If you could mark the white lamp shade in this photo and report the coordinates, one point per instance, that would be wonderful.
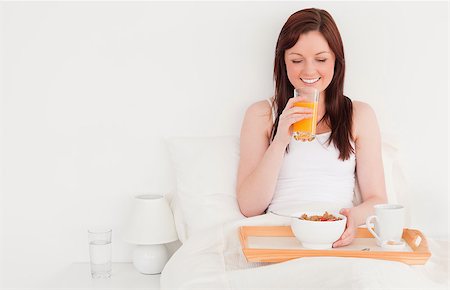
(151, 221)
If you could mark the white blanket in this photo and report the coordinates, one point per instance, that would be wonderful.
(213, 260)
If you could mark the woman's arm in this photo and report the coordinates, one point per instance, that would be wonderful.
(369, 163)
(369, 169)
(260, 160)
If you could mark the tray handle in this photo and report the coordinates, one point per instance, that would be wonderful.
(415, 239)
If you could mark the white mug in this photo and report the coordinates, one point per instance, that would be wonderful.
(389, 223)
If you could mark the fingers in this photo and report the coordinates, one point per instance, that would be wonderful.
(296, 114)
(342, 243)
(301, 110)
(349, 233)
(346, 238)
(292, 118)
(290, 115)
(293, 100)
(345, 211)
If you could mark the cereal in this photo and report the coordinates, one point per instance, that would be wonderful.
(326, 217)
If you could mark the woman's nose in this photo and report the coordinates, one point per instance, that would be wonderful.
(309, 69)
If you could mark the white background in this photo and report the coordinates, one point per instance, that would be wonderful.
(90, 90)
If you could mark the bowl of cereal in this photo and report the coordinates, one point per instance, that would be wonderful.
(318, 230)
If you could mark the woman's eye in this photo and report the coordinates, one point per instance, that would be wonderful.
(322, 60)
(296, 61)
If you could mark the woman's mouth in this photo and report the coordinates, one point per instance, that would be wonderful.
(310, 81)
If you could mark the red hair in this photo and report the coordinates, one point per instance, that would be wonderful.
(338, 108)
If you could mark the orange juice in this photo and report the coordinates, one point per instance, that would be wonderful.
(305, 129)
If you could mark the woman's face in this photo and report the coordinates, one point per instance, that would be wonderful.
(310, 62)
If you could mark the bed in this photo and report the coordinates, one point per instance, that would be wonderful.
(207, 219)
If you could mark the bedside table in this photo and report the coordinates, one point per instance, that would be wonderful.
(123, 276)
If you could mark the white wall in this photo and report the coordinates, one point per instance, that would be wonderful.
(89, 90)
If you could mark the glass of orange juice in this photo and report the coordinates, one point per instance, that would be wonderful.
(305, 130)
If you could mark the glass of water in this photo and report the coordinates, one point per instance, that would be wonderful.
(100, 252)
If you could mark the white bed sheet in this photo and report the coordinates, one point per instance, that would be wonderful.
(213, 259)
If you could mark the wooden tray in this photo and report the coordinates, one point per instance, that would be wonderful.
(278, 244)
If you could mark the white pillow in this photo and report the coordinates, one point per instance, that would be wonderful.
(206, 172)
(396, 182)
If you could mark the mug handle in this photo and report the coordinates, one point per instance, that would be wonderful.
(369, 226)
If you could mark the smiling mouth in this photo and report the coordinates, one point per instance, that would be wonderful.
(310, 81)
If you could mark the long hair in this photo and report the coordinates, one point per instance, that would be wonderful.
(338, 108)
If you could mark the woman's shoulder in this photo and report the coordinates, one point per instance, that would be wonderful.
(359, 105)
(261, 108)
(362, 110)
(364, 118)
(259, 117)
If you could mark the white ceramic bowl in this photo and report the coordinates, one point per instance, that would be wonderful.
(318, 234)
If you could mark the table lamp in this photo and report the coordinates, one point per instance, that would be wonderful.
(150, 226)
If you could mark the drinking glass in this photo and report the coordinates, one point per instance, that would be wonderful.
(100, 252)
(305, 130)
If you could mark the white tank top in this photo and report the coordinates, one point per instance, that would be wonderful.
(312, 173)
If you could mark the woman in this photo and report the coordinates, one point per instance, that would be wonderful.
(275, 170)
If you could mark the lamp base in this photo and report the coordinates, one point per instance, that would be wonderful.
(150, 259)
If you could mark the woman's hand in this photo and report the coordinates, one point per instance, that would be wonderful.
(349, 234)
(289, 116)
